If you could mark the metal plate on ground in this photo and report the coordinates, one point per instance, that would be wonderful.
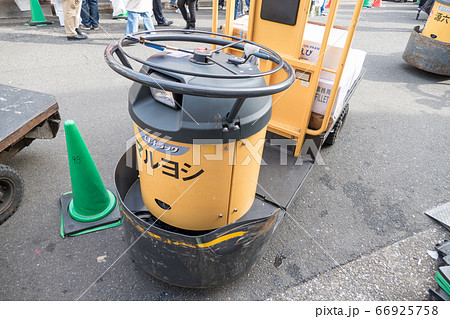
(441, 214)
(281, 174)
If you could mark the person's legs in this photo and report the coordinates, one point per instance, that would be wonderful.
(148, 23)
(322, 9)
(191, 6)
(70, 9)
(78, 14)
(132, 23)
(184, 13)
(236, 8)
(157, 12)
(93, 11)
(427, 6)
(85, 18)
(421, 3)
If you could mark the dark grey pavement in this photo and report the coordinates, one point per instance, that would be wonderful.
(389, 165)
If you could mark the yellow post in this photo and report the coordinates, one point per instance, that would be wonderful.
(229, 17)
(214, 19)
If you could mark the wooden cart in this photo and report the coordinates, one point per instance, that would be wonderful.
(24, 116)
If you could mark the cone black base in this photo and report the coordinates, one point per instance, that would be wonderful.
(37, 23)
(71, 227)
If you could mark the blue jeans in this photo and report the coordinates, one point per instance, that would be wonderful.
(237, 5)
(322, 8)
(173, 2)
(89, 13)
(133, 21)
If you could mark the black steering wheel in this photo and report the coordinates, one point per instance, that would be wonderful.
(200, 56)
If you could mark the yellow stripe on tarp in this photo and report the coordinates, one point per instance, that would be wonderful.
(204, 245)
(221, 239)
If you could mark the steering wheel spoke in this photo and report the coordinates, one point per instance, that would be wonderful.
(222, 65)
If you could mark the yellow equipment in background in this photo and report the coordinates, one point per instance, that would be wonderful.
(437, 26)
(429, 49)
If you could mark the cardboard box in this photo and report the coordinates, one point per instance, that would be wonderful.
(352, 69)
(315, 122)
(312, 39)
(355, 61)
(322, 98)
(240, 27)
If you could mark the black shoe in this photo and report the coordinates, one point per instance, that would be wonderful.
(77, 37)
(188, 25)
(80, 32)
(165, 23)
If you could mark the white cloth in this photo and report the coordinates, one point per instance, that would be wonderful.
(140, 5)
(251, 49)
(118, 7)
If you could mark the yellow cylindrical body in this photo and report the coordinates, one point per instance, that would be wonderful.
(198, 186)
(438, 23)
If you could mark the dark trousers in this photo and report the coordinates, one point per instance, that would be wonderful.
(428, 6)
(191, 5)
(157, 11)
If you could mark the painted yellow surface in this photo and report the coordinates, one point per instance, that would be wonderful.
(189, 186)
(438, 23)
(178, 243)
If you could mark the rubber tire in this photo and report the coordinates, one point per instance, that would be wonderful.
(332, 137)
(11, 184)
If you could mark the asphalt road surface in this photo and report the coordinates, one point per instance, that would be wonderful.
(356, 221)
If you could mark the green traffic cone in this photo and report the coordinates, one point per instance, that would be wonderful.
(91, 200)
(37, 16)
(90, 203)
(367, 4)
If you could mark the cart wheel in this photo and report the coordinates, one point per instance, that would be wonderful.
(11, 191)
(332, 137)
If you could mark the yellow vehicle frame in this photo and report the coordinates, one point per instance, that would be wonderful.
(292, 108)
